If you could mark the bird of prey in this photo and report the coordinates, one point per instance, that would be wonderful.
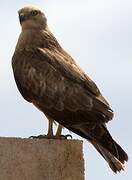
(48, 77)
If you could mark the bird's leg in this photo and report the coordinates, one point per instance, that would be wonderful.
(50, 134)
(59, 131)
(50, 129)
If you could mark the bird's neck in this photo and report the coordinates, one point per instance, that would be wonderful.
(42, 38)
(29, 37)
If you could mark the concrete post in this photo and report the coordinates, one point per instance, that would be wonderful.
(35, 159)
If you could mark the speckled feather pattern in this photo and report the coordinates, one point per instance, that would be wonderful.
(48, 77)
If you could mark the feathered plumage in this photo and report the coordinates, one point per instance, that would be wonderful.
(49, 78)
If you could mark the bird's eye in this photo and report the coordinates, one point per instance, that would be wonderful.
(34, 13)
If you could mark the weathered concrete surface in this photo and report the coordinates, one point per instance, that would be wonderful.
(31, 159)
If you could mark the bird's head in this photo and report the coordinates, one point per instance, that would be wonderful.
(32, 17)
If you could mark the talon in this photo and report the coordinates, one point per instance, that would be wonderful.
(38, 137)
(51, 137)
(68, 136)
(32, 137)
(65, 136)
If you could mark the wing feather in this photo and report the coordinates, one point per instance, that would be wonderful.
(56, 83)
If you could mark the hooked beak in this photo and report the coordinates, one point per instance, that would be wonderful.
(22, 18)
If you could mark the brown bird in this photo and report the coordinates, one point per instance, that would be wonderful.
(48, 77)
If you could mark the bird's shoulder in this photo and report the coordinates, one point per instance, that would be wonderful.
(68, 67)
(62, 62)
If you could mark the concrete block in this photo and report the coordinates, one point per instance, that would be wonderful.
(35, 159)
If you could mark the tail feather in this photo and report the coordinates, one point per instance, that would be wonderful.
(105, 145)
(111, 146)
(109, 149)
(113, 162)
(121, 154)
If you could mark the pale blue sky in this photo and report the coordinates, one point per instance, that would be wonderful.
(98, 34)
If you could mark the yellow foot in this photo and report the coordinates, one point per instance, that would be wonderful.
(68, 136)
